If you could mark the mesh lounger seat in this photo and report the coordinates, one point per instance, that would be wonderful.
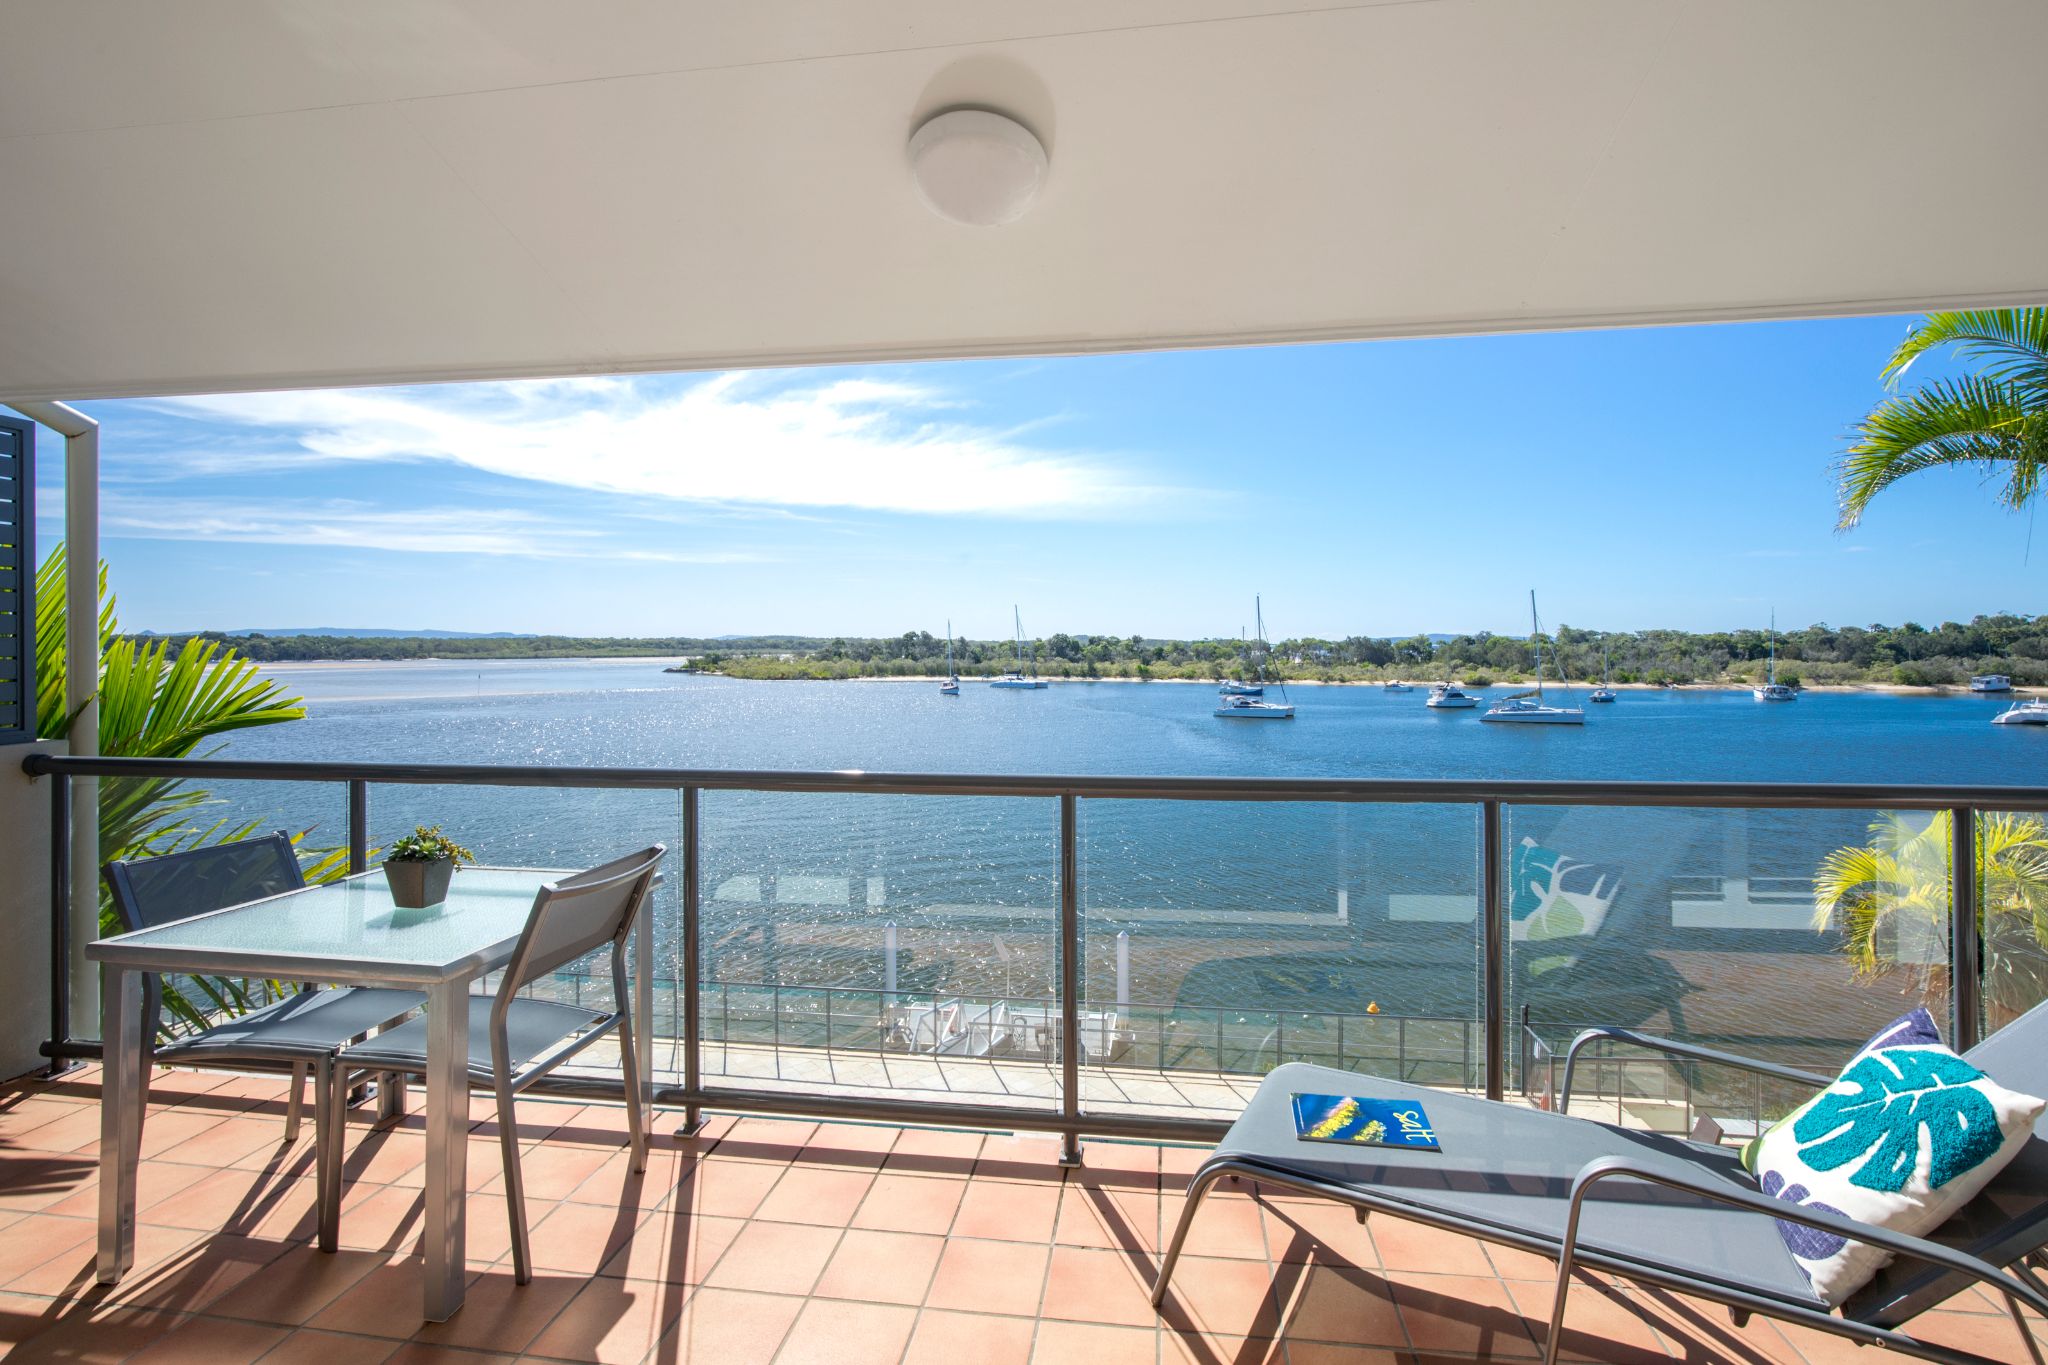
(1650, 1208)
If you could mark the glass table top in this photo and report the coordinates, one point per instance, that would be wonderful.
(344, 929)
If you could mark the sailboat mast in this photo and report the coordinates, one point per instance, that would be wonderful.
(949, 648)
(1536, 639)
(1773, 677)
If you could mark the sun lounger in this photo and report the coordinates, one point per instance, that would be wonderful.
(1646, 1207)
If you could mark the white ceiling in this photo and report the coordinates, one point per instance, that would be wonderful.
(217, 195)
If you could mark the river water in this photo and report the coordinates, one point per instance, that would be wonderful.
(1695, 922)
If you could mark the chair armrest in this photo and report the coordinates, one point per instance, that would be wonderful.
(1899, 1243)
(1671, 1047)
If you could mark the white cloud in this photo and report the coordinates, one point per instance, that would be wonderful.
(342, 524)
(734, 438)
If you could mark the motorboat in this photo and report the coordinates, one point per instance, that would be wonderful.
(1448, 696)
(1991, 683)
(1016, 678)
(1397, 686)
(1252, 708)
(1771, 689)
(1529, 708)
(2030, 712)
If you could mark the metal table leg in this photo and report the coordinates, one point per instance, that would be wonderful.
(121, 1100)
(447, 1118)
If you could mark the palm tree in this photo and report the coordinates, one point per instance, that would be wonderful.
(1995, 420)
(160, 703)
(1895, 891)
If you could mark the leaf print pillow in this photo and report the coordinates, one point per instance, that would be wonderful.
(1908, 1133)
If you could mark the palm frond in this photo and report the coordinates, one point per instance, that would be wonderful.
(1965, 421)
(2010, 344)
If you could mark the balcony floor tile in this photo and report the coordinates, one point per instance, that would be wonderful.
(766, 1241)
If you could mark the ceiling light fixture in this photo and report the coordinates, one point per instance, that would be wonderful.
(976, 168)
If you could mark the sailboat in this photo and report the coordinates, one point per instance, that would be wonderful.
(951, 686)
(1771, 689)
(1603, 692)
(1529, 708)
(1011, 676)
(1237, 705)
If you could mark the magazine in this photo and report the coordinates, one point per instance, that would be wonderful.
(1363, 1122)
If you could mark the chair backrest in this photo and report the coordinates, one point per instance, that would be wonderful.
(580, 914)
(2009, 1219)
(148, 892)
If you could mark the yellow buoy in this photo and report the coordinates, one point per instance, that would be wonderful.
(1372, 1007)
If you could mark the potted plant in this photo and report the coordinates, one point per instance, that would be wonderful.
(420, 865)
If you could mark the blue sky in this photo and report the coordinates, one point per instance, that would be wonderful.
(1654, 477)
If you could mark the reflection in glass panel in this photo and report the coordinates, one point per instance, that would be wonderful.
(1787, 935)
(1223, 938)
(2012, 896)
(881, 943)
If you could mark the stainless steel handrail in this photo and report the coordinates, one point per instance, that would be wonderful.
(1070, 1118)
(1399, 791)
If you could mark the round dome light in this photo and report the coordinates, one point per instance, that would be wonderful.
(976, 168)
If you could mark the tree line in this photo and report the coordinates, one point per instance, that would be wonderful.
(1910, 654)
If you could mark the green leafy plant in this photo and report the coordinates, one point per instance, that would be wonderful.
(158, 700)
(427, 844)
(1896, 891)
(1995, 420)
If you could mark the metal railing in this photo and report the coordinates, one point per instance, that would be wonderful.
(1071, 1118)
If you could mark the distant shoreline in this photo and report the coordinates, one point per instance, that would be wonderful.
(967, 680)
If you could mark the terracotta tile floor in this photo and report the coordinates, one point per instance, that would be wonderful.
(767, 1242)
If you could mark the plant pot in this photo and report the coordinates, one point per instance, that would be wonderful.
(416, 884)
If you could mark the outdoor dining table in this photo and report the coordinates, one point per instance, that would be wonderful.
(344, 932)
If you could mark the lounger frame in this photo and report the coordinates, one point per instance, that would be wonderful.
(2020, 1287)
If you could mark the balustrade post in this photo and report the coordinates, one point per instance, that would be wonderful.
(1493, 935)
(1070, 986)
(60, 923)
(693, 1004)
(358, 827)
(1965, 945)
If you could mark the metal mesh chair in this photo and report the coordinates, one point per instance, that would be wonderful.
(303, 1031)
(515, 1040)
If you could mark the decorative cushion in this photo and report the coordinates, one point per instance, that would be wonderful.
(1907, 1134)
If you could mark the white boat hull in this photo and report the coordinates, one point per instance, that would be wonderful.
(1536, 715)
(1262, 711)
(1451, 703)
(2026, 713)
(1774, 692)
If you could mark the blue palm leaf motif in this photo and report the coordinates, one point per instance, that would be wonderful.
(1897, 1092)
(1807, 1243)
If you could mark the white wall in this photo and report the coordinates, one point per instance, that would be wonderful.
(24, 909)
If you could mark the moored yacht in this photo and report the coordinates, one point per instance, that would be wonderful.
(1603, 692)
(951, 686)
(1771, 689)
(1251, 708)
(1246, 701)
(1016, 677)
(1529, 708)
(1448, 696)
(1397, 686)
(2031, 712)
(1991, 682)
